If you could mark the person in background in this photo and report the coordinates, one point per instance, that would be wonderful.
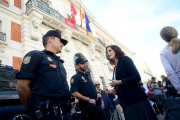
(160, 84)
(126, 82)
(111, 97)
(118, 106)
(168, 87)
(82, 88)
(158, 94)
(170, 55)
(105, 103)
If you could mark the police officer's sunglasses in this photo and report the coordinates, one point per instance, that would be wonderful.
(97, 84)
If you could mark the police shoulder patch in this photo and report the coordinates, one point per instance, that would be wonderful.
(27, 59)
(72, 80)
(83, 78)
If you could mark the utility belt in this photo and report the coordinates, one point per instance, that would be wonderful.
(40, 108)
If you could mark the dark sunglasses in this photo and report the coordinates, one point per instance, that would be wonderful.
(97, 84)
(106, 89)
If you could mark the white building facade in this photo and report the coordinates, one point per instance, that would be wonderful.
(24, 22)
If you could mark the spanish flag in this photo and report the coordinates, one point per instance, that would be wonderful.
(6, 1)
(82, 15)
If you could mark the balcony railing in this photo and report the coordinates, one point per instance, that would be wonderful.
(2, 36)
(44, 8)
(53, 12)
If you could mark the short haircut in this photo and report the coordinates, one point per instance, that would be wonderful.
(45, 40)
(153, 78)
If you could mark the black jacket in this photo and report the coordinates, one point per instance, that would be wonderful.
(130, 91)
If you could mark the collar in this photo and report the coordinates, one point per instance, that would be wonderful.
(49, 52)
(81, 73)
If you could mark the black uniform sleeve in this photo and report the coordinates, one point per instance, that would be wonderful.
(133, 72)
(74, 84)
(29, 66)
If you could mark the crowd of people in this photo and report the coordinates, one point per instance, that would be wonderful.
(42, 85)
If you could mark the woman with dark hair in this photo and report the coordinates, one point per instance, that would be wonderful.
(126, 82)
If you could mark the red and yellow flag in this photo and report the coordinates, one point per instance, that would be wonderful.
(82, 15)
(6, 1)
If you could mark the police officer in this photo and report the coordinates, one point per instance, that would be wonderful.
(42, 81)
(83, 88)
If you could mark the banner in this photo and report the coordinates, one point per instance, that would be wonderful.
(87, 23)
(82, 30)
(73, 13)
(69, 23)
(6, 1)
(91, 36)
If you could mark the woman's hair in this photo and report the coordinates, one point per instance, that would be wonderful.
(169, 34)
(119, 53)
(164, 78)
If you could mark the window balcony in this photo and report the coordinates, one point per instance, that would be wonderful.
(50, 11)
(2, 37)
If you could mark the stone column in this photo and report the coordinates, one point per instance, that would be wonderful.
(92, 51)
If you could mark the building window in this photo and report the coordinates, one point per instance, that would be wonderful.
(17, 63)
(15, 32)
(68, 17)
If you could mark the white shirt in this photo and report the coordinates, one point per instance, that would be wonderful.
(171, 63)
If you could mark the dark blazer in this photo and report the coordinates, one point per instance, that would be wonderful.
(130, 91)
(108, 104)
(111, 97)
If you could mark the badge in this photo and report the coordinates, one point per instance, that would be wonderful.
(83, 78)
(27, 59)
(72, 80)
(53, 65)
(49, 59)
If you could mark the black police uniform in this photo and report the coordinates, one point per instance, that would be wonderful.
(48, 79)
(83, 84)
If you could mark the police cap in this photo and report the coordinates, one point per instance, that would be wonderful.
(80, 60)
(55, 33)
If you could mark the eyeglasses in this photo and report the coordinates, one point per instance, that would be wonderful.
(97, 84)
(106, 89)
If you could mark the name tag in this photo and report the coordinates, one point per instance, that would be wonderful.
(53, 65)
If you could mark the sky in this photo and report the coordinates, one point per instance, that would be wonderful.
(137, 24)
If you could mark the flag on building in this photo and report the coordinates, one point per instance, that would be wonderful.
(87, 23)
(6, 1)
(82, 15)
(73, 13)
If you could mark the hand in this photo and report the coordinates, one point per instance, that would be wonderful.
(113, 114)
(92, 101)
(99, 95)
(115, 83)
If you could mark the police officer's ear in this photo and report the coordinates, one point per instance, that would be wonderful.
(50, 40)
(77, 66)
